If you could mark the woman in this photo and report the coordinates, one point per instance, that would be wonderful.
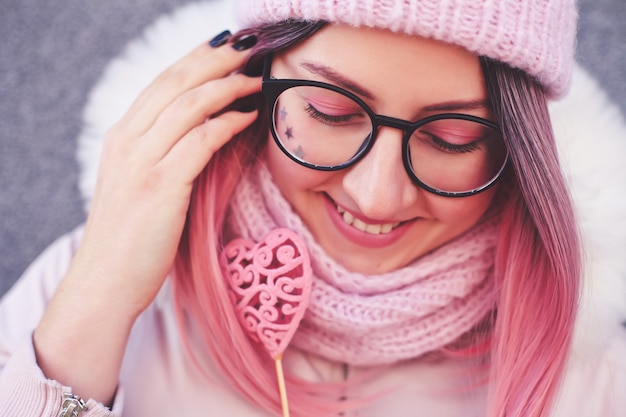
(408, 146)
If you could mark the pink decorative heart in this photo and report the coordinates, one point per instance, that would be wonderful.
(270, 285)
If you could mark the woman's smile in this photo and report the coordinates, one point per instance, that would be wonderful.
(370, 228)
(363, 231)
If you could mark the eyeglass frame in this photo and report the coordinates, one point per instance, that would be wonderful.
(272, 88)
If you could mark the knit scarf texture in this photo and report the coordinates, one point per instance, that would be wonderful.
(361, 319)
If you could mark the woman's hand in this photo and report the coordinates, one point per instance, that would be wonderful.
(150, 160)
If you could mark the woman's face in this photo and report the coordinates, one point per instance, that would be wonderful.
(370, 217)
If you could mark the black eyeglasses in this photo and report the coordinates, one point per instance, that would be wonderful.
(327, 128)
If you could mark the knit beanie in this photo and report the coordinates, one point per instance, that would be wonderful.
(536, 36)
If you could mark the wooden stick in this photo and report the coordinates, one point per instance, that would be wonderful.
(281, 384)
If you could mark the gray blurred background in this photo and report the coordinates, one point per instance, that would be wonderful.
(52, 53)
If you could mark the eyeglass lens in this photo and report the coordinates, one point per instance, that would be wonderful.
(322, 127)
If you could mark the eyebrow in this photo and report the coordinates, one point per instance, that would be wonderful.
(457, 105)
(337, 78)
(342, 81)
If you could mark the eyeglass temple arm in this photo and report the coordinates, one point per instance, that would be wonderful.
(267, 66)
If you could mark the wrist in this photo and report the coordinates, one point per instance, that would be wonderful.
(81, 339)
(109, 287)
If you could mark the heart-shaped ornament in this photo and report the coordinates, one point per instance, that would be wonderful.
(270, 286)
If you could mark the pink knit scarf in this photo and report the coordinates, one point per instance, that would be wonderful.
(377, 319)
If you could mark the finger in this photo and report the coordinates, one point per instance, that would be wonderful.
(192, 109)
(127, 123)
(194, 151)
(201, 50)
(202, 65)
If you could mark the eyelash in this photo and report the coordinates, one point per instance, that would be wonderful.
(448, 147)
(323, 117)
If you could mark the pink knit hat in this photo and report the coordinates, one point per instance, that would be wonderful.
(537, 36)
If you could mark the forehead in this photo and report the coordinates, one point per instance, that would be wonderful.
(397, 68)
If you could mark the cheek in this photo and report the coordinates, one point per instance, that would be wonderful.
(460, 213)
(291, 177)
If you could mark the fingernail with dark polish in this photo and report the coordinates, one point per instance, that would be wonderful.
(220, 39)
(245, 43)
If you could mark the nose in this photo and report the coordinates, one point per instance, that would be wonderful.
(378, 183)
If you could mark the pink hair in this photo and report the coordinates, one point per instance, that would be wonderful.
(537, 263)
(201, 290)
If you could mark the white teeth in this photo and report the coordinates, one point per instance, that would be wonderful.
(358, 224)
(386, 228)
(348, 217)
(374, 229)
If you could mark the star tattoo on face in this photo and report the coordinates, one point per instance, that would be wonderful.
(298, 152)
(289, 132)
(283, 114)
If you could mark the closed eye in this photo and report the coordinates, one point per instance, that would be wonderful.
(330, 119)
(453, 148)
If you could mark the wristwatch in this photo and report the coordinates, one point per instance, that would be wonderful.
(72, 406)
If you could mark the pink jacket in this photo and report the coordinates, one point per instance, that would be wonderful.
(159, 379)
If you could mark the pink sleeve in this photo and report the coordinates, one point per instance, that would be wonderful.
(26, 392)
(24, 389)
